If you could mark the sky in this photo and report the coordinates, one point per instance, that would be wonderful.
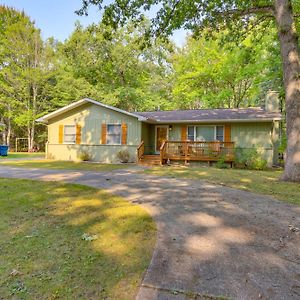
(57, 17)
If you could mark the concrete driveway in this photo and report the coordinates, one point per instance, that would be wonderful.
(212, 240)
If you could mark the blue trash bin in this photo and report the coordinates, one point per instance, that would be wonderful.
(3, 150)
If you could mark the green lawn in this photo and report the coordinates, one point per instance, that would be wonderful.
(65, 165)
(263, 182)
(43, 255)
(21, 155)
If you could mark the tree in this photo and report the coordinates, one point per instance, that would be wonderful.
(236, 15)
(207, 74)
(8, 16)
(116, 66)
(25, 71)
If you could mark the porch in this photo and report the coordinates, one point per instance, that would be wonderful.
(210, 151)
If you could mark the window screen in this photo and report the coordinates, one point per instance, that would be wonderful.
(205, 133)
(69, 134)
(191, 133)
(113, 134)
(220, 133)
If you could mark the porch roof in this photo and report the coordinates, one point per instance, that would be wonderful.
(211, 115)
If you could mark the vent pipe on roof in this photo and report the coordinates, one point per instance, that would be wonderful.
(272, 103)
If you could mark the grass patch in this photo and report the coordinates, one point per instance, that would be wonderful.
(41, 229)
(262, 182)
(20, 155)
(65, 165)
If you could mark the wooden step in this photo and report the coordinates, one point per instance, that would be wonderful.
(150, 160)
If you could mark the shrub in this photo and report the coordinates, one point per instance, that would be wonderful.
(123, 156)
(221, 164)
(249, 159)
(259, 164)
(85, 156)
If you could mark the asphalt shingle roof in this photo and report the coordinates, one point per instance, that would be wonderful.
(199, 115)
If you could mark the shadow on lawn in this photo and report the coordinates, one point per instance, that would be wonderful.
(43, 240)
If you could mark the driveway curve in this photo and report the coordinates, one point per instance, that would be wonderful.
(213, 241)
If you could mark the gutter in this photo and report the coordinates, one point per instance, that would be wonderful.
(152, 121)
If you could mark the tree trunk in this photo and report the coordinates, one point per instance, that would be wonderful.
(8, 134)
(3, 133)
(31, 126)
(291, 70)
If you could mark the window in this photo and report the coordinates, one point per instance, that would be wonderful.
(206, 133)
(220, 133)
(113, 134)
(191, 133)
(69, 134)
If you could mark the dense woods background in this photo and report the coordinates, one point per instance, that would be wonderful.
(119, 67)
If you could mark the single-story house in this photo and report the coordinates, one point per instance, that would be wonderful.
(102, 131)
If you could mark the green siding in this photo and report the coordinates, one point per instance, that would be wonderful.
(91, 117)
(252, 135)
(262, 136)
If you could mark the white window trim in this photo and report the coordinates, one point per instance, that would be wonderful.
(70, 125)
(115, 124)
(215, 131)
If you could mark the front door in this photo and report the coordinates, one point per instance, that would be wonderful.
(161, 136)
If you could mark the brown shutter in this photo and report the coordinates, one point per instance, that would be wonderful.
(227, 133)
(61, 134)
(183, 132)
(124, 134)
(103, 133)
(78, 134)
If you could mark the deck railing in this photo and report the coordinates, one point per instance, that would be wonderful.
(198, 150)
(140, 150)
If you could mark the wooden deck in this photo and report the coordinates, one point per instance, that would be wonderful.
(193, 151)
(197, 151)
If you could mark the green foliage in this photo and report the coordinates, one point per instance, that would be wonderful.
(117, 67)
(283, 144)
(249, 159)
(221, 164)
(85, 156)
(123, 156)
(207, 74)
(237, 15)
(25, 72)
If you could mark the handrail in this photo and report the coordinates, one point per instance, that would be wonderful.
(196, 150)
(140, 150)
(199, 142)
(162, 151)
(162, 145)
